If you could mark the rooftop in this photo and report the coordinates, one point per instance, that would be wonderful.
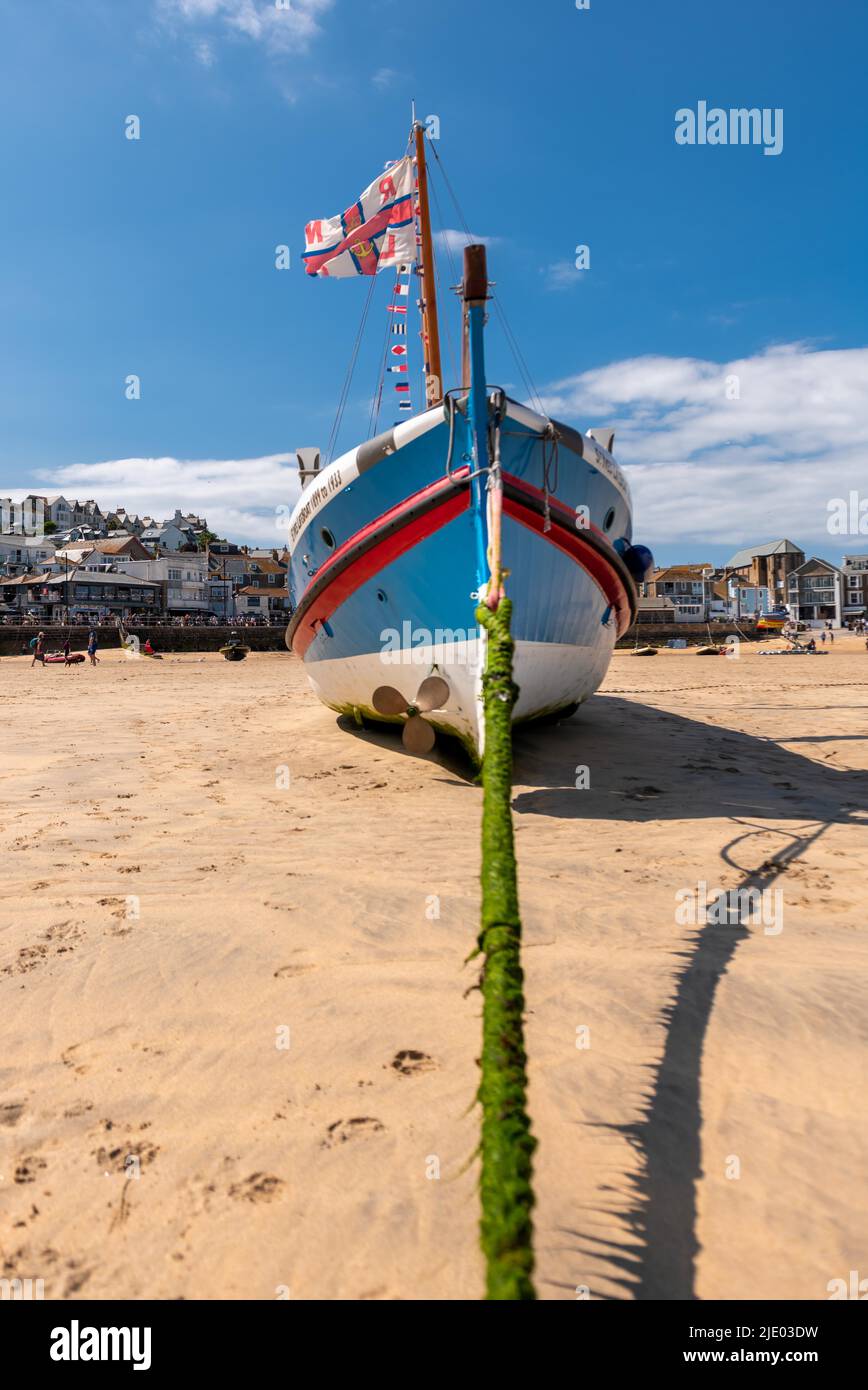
(742, 558)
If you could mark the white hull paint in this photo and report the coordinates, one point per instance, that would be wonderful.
(550, 676)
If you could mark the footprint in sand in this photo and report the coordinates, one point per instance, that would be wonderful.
(357, 1128)
(410, 1063)
(288, 971)
(117, 1157)
(28, 1168)
(259, 1187)
(11, 1112)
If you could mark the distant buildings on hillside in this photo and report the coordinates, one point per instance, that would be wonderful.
(776, 576)
(62, 558)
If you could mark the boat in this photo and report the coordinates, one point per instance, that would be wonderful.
(234, 649)
(58, 659)
(391, 543)
(774, 621)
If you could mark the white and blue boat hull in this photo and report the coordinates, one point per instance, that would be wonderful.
(388, 552)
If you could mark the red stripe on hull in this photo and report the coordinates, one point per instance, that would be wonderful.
(375, 559)
(567, 539)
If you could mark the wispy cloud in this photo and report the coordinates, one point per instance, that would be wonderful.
(450, 239)
(383, 78)
(281, 28)
(562, 275)
(244, 499)
(739, 451)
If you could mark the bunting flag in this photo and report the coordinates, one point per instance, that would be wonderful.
(399, 329)
(376, 233)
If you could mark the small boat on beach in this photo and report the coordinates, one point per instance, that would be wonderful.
(234, 650)
(392, 543)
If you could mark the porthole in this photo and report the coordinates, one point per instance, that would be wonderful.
(381, 596)
(328, 537)
(608, 519)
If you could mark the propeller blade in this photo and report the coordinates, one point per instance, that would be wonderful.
(432, 694)
(418, 736)
(387, 700)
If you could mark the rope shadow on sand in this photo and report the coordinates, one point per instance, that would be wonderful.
(720, 773)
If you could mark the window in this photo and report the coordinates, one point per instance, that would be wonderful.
(175, 575)
(252, 602)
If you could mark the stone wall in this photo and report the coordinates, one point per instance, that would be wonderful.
(14, 640)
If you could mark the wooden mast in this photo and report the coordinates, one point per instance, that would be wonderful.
(430, 325)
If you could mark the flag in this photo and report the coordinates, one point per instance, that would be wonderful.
(399, 350)
(376, 233)
(397, 308)
(399, 328)
(402, 368)
(402, 386)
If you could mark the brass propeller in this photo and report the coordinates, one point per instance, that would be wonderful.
(417, 734)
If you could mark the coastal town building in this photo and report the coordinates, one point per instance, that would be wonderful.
(688, 587)
(182, 578)
(815, 593)
(767, 566)
(169, 537)
(23, 554)
(80, 596)
(855, 573)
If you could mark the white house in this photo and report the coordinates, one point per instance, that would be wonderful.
(855, 572)
(815, 592)
(184, 577)
(25, 554)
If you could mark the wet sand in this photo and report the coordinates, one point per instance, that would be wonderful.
(239, 1031)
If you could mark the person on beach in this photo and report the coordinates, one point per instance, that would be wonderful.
(91, 647)
(39, 651)
(66, 660)
(823, 637)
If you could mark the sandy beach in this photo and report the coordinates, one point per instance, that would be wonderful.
(239, 1028)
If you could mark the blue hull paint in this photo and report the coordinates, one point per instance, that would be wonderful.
(562, 622)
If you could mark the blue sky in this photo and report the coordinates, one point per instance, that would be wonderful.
(156, 256)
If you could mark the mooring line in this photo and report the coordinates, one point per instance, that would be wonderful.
(506, 1226)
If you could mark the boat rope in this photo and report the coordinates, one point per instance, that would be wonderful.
(550, 470)
(377, 397)
(348, 379)
(453, 359)
(507, 1145)
(524, 370)
(512, 341)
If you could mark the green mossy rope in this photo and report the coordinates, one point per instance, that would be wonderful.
(507, 1143)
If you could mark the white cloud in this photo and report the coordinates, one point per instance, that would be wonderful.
(450, 239)
(707, 467)
(383, 78)
(280, 28)
(562, 275)
(244, 499)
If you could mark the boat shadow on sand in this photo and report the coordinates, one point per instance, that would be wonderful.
(651, 765)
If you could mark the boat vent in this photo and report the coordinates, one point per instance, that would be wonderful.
(603, 436)
(308, 465)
